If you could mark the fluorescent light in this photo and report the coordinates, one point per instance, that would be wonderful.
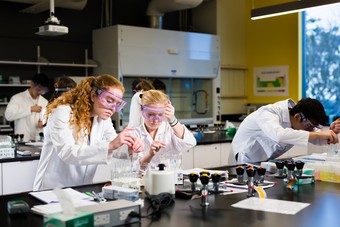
(287, 8)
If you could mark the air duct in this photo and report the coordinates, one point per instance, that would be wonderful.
(157, 9)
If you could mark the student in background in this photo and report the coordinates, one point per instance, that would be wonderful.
(135, 115)
(61, 85)
(79, 134)
(24, 108)
(159, 85)
(162, 133)
(273, 129)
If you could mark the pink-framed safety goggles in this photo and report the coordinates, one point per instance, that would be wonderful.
(308, 125)
(153, 114)
(110, 100)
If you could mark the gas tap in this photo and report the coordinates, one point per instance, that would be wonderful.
(299, 166)
(261, 172)
(240, 172)
(193, 177)
(290, 175)
(215, 177)
(204, 191)
(279, 165)
(251, 173)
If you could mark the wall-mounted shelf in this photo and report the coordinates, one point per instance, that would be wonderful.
(90, 64)
(41, 61)
(14, 85)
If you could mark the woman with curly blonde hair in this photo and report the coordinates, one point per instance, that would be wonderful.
(162, 133)
(79, 133)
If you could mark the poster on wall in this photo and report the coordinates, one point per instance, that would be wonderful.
(271, 81)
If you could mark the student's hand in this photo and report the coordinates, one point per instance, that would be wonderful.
(169, 112)
(335, 126)
(334, 138)
(155, 147)
(40, 124)
(36, 109)
(124, 137)
(330, 136)
(137, 146)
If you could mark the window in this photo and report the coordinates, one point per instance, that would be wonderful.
(321, 57)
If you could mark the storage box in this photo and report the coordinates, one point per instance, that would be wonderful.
(115, 192)
(79, 219)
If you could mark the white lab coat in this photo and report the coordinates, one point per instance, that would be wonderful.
(19, 111)
(267, 133)
(135, 116)
(166, 135)
(63, 162)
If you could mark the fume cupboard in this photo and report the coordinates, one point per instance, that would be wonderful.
(188, 63)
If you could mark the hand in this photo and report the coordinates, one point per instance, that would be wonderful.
(332, 137)
(169, 112)
(40, 124)
(36, 109)
(137, 146)
(124, 137)
(335, 126)
(155, 147)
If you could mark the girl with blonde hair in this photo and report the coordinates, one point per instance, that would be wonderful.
(162, 133)
(79, 133)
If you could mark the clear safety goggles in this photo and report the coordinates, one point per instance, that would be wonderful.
(110, 100)
(308, 125)
(40, 89)
(153, 114)
(62, 89)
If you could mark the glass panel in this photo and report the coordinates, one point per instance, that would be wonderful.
(192, 98)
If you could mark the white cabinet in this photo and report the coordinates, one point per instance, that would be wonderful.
(206, 156)
(188, 159)
(227, 156)
(18, 176)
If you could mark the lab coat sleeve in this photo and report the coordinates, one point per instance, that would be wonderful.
(135, 115)
(17, 108)
(269, 123)
(65, 145)
(184, 144)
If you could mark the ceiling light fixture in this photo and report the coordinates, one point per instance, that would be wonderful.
(287, 8)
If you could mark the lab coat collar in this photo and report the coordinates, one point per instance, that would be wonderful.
(160, 131)
(36, 101)
(289, 103)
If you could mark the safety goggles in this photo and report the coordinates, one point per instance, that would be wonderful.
(153, 114)
(308, 125)
(40, 89)
(62, 89)
(110, 100)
